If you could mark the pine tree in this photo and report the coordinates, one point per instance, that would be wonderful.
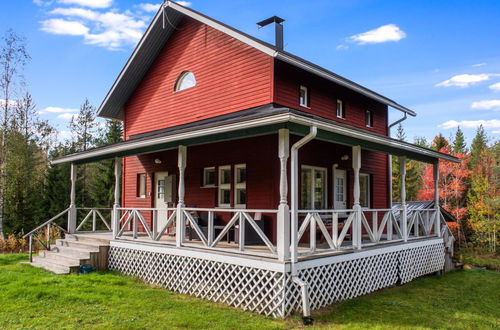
(459, 145)
(84, 133)
(103, 181)
(400, 133)
(479, 143)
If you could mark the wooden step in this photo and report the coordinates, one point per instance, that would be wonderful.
(52, 255)
(57, 266)
(89, 246)
(72, 251)
(91, 238)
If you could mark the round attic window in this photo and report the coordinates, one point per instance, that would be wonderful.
(186, 80)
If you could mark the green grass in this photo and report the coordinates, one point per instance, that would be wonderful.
(490, 261)
(34, 298)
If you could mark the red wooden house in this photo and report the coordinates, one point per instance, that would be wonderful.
(251, 176)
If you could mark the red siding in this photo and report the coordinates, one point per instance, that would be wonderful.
(323, 96)
(230, 76)
(261, 157)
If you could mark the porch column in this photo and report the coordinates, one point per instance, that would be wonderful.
(283, 221)
(356, 225)
(180, 225)
(404, 210)
(116, 205)
(437, 222)
(72, 204)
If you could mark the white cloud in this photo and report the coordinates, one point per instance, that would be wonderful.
(149, 7)
(184, 3)
(61, 26)
(43, 2)
(109, 29)
(67, 116)
(342, 47)
(487, 124)
(88, 3)
(384, 33)
(57, 110)
(479, 64)
(495, 87)
(486, 105)
(465, 80)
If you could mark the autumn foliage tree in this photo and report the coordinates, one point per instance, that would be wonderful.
(452, 186)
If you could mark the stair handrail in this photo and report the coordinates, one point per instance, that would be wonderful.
(47, 224)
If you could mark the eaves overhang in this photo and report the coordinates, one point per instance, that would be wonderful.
(258, 123)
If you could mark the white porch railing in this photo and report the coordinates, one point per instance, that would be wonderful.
(320, 231)
(162, 224)
(94, 219)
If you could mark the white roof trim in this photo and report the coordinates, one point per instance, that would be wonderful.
(274, 119)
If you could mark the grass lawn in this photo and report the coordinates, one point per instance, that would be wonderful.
(34, 298)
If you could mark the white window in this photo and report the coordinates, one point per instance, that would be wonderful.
(313, 188)
(364, 190)
(141, 185)
(304, 96)
(240, 186)
(225, 186)
(340, 109)
(186, 80)
(369, 118)
(209, 177)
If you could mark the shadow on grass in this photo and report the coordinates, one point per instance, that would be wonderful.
(464, 299)
(11, 259)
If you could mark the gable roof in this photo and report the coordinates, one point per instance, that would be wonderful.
(163, 26)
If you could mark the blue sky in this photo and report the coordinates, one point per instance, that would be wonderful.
(439, 58)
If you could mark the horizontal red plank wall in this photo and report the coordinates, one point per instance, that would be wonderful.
(323, 98)
(258, 153)
(230, 76)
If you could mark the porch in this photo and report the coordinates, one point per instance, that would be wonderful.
(283, 251)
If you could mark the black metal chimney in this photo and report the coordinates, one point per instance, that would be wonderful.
(278, 28)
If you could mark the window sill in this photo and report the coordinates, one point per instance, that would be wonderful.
(210, 186)
(304, 106)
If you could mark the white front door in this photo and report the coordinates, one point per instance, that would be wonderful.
(160, 200)
(339, 189)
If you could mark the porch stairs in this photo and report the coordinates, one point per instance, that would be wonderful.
(73, 251)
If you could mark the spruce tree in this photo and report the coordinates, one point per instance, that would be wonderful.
(459, 145)
(439, 142)
(400, 133)
(479, 143)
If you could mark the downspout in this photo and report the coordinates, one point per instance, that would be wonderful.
(390, 157)
(304, 286)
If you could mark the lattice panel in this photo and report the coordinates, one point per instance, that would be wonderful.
(352, 278)
(248, 288)
(421, 261)
(343, 280)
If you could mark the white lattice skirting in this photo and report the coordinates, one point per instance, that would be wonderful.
(272, 292)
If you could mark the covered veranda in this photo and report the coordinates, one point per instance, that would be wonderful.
(300, 233)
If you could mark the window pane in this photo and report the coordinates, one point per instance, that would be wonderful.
(241, 175)
(364, 190)
(225, 196)
(305, 190)
(141, 191)
(339, 194)
(241, 196)
(161, 189)
(186, 80)
(209, 177)
(319, 189)
(340, 109)
(225, 176)
(303, 96)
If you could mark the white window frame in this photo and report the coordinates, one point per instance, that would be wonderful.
(369, 118)
(368, 188)
(205, 170)
(142, 185)
(239, 186)
(312, 187)
(305, 101)
(223, 186)
(340, 103)
(180, 79)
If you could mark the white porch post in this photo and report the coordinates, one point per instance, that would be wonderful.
(283, 221)
(72, 204)
(437, 222)
(116, 204)
(180, 226)
(356, 226)
(404, 210)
